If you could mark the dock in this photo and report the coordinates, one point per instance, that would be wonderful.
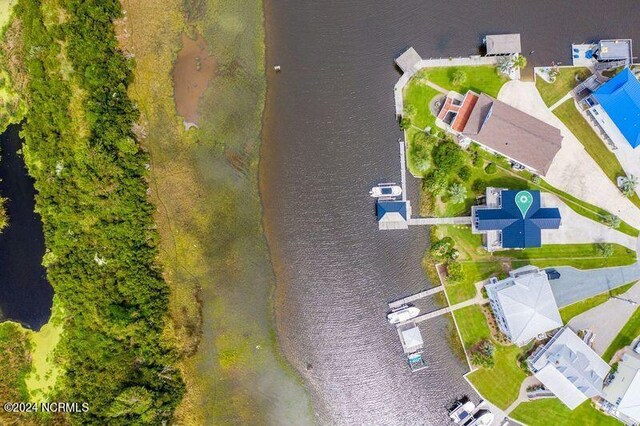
(405, 300)
(403, 170)
(462, 220)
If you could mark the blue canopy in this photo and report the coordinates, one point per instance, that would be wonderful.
(620, 98)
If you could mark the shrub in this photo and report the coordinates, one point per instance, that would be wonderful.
(458, 193)
(405, 123)
(479, 186)
(454, 271)
(476, 160)
(420, 152)
(491, 168)
(447, 156)
(536, 179)
(464, 173)
(458, 78)
(4, 218)
(612, 221)
(482, 354)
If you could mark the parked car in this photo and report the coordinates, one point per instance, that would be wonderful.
(637, 348)
(552, 274)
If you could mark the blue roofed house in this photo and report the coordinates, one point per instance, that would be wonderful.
(392, 214)
(615, 106)
(512, 219)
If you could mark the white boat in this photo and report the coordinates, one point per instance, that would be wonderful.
(462, 411)
(385, 190)
(404, 313)
(481, 418)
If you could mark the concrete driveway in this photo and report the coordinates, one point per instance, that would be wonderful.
(577, 229)
(573, 170)
(575, 285)
(606, 320)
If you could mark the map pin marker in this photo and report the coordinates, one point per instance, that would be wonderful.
(524, 199)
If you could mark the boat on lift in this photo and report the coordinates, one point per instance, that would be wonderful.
(462, 411)
(402, 314)
(386, 190)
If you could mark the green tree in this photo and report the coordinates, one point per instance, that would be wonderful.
(491, 168)
(4, 218)
(454, 271)
(464, 173)
(458, 193)
(442, 249)
(482, 354)
(447, 156)
(435, 182)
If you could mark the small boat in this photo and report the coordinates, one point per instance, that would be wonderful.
(462, 411)
(386, 190)
(403, 313)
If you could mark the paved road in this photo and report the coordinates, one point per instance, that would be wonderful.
(575, 285)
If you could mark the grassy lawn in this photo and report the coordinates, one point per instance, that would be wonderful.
(581, 256)
(629, 332)
(606, 159)
(565, 81)
(500, 384)
(480, 79)
(472, 324)
(551, 411)
(417, 95)
(577, 308)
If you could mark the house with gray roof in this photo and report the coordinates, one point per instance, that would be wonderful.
(569, 368)
(505, 130)
(523, 305)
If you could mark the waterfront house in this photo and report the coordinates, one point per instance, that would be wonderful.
(622, 394)
(569, 368)
(500, 129)
(512, 219)
(392, 214)
(523, 305)
(615, 106)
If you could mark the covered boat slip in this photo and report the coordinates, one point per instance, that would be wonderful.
(412, 345)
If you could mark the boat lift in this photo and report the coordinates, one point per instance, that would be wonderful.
(412, 345)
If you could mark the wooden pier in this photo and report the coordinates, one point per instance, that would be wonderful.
(396, 304)
(403, 170)
(463, 220)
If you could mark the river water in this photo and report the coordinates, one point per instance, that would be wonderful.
(25, 295)
(330, 134)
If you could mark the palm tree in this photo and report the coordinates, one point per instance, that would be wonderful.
(628, 185)
(458, 193)
(504, 65)
(518, 61)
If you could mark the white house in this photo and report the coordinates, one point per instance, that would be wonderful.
(523, 305)
(569, 368)
(623, 393)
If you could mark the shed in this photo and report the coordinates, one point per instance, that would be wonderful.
(408, 60)
(503, 44)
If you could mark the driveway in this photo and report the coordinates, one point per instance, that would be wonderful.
(577, 229)
(606, 320)
(573, 170)
(575, 285)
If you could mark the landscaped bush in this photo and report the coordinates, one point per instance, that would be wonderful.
(481, 354)
(491, 168)
(405, 123)
(479, 186)
(536, 179)
(464, 173)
